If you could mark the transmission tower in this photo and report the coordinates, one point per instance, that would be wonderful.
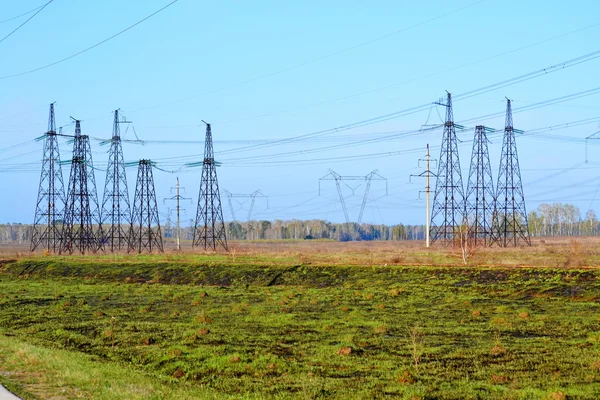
(144, 233)
(252, 196)
(116, 212)
(480, 191)
(51, 200)
(594, 136)
(448, 214)
(209, 228)
(177, 198)
(81, 210)
(332, 175)
(510, 218)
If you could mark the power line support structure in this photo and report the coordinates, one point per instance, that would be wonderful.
(510, 218)
(252, 196)
(116, 210)
(448, 212)
(594, 136)
(332, 175)
(81, 210)
(209, 227)
(144, 233)
(51, 200)
(177, 198)
(480, 192)
(427, 174)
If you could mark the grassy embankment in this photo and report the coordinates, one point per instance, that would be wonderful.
(279, 328)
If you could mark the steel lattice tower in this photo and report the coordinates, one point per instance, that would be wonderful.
(448, 214)
(116, 211)
(145, 233)
(209, 228)
(480, 191)
(50, 204)
(510, 218)
(81, 210)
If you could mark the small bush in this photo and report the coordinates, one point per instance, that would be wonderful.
(344, 351)
(406, 377)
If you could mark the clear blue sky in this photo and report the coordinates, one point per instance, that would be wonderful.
(230, 63)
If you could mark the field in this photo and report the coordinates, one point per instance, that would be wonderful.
(305, 320)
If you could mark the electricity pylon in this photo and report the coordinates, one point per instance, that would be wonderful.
(448, 213)
(144, 233)
(81, 210)
(50, 206)
(593, 136)
(510, 217)
(116, 211)
(334, 176)
(177, 198)
(209, 227)
(252, 196)
(480, 191)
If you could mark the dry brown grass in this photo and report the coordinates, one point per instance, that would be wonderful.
(564, 252)
(557, 396)
(381, 329)
(497, 350)
(344, 351)
(405, 377)
(499, 379)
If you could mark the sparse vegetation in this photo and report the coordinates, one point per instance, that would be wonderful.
(268, 326)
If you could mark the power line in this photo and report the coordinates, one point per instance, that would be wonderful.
(28, 19)
(418, 131)
(412, 110)
(321, 58)
(21, 15)
(89, 48)
(418, 78)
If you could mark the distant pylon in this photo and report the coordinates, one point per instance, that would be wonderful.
(332, 175)
(81, 210)
(510, 217)
(252, 196)
(209, 228)
(448, 214)
(50, 206)
(480, 192)
(144, 233)
(116, 212)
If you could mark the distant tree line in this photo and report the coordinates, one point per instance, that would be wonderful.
(562, 219)
(557, 219)
(312, 229)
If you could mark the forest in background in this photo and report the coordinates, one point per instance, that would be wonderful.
(557, 219)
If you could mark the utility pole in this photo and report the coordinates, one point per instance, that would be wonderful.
(177, 199)
(427, 174)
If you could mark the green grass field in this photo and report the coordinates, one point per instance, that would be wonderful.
(157, 329)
